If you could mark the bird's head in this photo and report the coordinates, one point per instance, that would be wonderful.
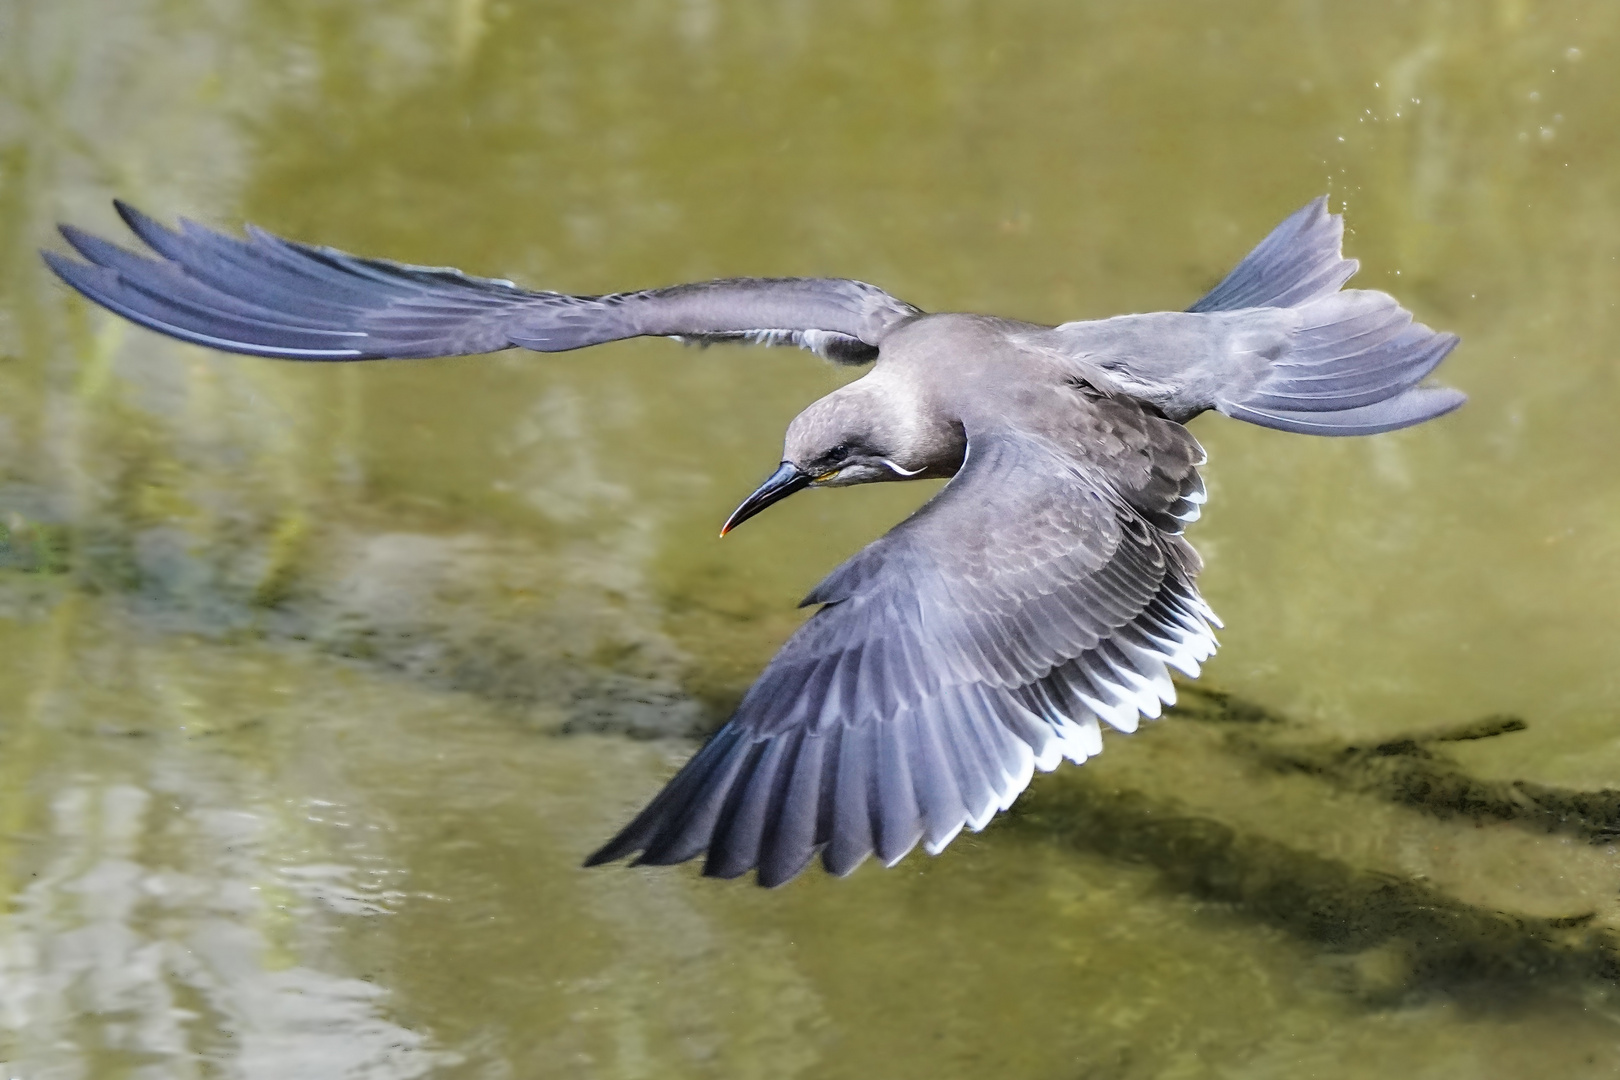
(858, 434)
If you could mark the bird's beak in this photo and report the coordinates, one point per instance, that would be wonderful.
(779, 485)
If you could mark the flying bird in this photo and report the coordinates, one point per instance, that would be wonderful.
(1042, 593)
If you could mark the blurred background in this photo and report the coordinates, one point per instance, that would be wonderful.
(317, 682)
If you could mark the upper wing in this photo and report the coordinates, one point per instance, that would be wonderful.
(1300, 260)
(1276, 343)
(267, 296)
(982, 638)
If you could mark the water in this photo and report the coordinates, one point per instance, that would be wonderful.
(320, 681)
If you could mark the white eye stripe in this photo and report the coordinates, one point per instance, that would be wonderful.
(898, 469)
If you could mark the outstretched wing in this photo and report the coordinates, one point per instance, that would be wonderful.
(267, 296)
(984, 637)
(1276, 343)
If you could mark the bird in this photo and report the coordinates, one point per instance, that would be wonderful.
(1046, 591)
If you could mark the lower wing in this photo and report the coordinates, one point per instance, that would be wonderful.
(989, 635)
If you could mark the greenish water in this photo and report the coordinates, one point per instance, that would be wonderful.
(317, 683)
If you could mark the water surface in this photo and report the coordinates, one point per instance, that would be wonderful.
(321, 680)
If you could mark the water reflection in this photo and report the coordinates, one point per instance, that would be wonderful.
(289, 648)
(166, 926)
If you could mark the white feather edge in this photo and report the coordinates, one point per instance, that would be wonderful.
(1141, 693)
(816, 341)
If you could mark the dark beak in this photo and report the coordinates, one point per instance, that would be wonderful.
(783, 482)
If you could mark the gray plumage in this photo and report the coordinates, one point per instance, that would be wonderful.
(1046, 591)
(272, 297)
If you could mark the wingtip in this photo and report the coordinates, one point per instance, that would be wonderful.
(137, 221)
(79, 240)
(1324, 213)
(604, 855)
(73, 273)
(1448, 399)
(623, 846)
(152, 232)
(1432, 402)
(1310, 217)
(771, 881)
(53, 258)
(63, 267)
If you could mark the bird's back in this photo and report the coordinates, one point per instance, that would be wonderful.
(988, 375)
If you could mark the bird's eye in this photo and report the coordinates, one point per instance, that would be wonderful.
(837, 454)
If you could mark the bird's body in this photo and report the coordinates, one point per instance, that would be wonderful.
(1044, 592)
